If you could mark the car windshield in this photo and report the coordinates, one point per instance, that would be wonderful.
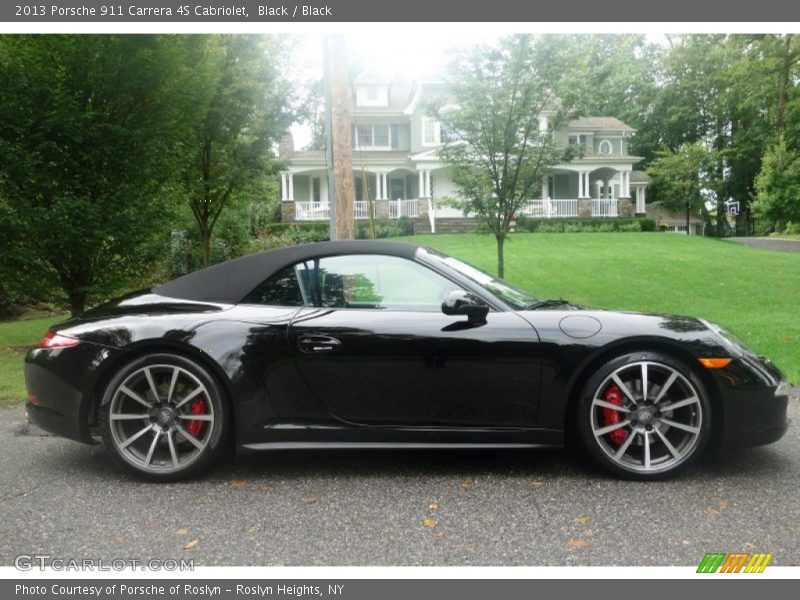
(515, 297)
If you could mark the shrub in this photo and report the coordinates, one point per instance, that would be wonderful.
(584, 225)
(792, 228)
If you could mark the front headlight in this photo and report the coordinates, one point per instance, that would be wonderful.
(730, 340)
(782, 389)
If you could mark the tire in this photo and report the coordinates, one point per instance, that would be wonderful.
(644, 436)
(165, 418)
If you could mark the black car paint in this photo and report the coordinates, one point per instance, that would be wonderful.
(412, 378)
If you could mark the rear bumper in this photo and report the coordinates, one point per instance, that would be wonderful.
(60, 384)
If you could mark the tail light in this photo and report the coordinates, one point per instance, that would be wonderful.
(56, 340)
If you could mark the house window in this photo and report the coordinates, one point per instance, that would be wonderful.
(579, 139)
(377, 136)
(446, 135)
(316, 189)
(605, 148)
(372, 95)
(380, 136)
(435, 133)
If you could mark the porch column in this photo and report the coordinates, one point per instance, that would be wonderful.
(587, 186)
(284, 187)
(385, 178)
(624, 184)
(422, 184)
(291, 186)
(583, 184)
(545, 187)
(641, 197)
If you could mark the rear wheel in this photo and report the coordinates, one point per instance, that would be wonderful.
(164, 416)
(644, 416)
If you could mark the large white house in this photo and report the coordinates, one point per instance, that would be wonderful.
(395, 143)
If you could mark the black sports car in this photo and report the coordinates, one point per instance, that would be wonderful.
(380, 344)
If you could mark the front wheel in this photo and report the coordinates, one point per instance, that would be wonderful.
(644, 416)
(164, 416)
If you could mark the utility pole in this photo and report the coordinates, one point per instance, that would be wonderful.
(339, 146)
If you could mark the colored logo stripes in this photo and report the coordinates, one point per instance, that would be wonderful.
(734, 562)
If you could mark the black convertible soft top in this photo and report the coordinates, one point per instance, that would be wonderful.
(230, 281)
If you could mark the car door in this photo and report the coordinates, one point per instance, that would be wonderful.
(375, 348)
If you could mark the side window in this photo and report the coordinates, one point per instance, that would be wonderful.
(282, 289)
(373, 281)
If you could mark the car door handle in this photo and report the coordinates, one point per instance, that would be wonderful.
(318, 344)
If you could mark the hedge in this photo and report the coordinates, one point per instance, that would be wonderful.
(584, 225)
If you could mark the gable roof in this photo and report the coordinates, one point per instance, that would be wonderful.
(599, 123)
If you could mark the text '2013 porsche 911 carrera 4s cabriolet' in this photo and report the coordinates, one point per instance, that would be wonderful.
(381, 344)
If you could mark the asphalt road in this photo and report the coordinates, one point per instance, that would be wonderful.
(370, 508)
(779, 244)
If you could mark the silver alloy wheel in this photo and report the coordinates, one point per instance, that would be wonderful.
(149, 415)
(659, 411)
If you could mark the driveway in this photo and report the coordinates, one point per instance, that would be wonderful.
(395, 508)
(781, 245)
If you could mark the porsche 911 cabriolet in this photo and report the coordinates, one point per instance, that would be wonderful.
(373, 344)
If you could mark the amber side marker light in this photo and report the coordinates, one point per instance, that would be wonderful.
(715, 363)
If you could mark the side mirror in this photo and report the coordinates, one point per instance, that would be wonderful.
(459, 302)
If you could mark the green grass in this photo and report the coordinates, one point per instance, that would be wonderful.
(755, 293)
(15, 339)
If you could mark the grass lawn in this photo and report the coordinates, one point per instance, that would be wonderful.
(15, 339)
(755, 293)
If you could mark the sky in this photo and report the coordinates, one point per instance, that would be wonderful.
(397, 51)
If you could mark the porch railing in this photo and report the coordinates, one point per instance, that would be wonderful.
(550, 209)
(403, 208)
(605, 208)
(311, 211)
(317, 211)
(361, 209)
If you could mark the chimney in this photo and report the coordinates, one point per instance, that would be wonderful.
(286, 146)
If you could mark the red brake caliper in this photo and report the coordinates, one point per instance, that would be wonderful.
(197, 407)
(611, 416)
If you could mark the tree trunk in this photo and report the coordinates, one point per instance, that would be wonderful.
(687, 218)
(77, 302)
(342, 146)
(205, 242)
(501, 267)
(783, 84)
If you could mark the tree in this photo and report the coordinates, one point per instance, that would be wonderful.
(87, 137)
(495, 98)
(778, 186)
(686, 178)
(242, 106)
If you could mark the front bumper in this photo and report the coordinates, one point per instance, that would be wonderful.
(60, 383)
(755, 403)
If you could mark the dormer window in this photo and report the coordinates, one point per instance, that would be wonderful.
(580, 139)
(605, 148)
(372, 95)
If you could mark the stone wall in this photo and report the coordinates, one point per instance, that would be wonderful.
(287, 212)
